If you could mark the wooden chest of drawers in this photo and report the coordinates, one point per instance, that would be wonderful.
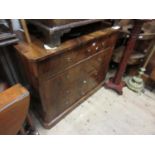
(65, 76)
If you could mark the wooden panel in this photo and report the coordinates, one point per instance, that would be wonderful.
(14, 103)
(30, 70)
(62, 91)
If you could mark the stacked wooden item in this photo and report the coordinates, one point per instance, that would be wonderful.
(65, 62)
(14, 98)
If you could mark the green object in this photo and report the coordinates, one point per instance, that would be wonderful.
(136, 83)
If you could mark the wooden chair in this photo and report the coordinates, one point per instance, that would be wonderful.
(14, 104)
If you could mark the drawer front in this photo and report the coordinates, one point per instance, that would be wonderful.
(62, 61)
(101, 44)
(62, 91)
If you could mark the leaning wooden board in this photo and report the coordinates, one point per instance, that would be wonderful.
(65, 76)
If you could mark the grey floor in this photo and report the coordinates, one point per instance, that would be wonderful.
(105, 112)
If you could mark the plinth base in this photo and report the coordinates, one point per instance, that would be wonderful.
(116, 87)
(136, 84)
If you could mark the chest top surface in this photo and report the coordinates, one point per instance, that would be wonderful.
(36, 52)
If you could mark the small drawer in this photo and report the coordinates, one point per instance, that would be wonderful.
(100, 44)
(58, 63)
(62, 61)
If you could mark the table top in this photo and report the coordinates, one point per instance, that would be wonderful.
(36, 51)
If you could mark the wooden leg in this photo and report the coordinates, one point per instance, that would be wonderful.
(113, 86)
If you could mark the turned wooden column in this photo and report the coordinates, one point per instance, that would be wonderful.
(116, 82)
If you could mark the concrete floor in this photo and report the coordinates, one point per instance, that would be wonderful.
(105, 112)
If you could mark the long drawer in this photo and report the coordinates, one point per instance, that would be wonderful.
(62, 61)
(63, 90)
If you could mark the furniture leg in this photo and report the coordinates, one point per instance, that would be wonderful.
(116, 82)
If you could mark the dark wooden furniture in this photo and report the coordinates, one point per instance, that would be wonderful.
(65, 76)
(52, 30)
(14, 103)
(116, 82)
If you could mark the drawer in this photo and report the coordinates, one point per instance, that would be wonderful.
(96, 72)
(58, 63)
(57, 93)
(62, 91)
(101, 44)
